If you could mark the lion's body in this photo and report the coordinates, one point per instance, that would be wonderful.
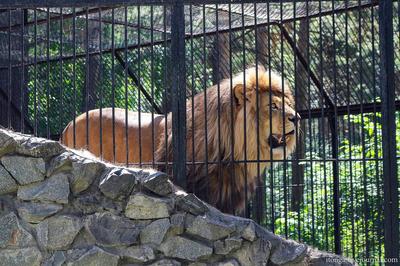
(224, 133)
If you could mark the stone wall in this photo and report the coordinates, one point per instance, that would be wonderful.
(58, 207)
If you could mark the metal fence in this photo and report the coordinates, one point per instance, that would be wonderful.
(151, 70)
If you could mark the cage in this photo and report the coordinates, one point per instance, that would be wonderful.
(141, 60)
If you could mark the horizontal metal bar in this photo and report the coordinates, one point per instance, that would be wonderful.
(353, 109)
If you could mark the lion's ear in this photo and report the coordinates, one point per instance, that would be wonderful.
(241, 93)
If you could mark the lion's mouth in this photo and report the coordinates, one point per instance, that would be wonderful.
(278, 140)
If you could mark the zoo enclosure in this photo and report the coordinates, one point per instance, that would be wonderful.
(339, 189)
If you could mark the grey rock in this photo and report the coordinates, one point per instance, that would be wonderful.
(158, 183)
(58, 232)
(7, 142)
(249, 233)
(93, 200)
(183, 248)
(110, 230)
(255, 253)
(190, 203)
(227, 246)
(316, 257)
(84, 171)
(287, 252)
(138, 254)
(34, 212)
(54, 188)
(60, 163)
(231, 262)
(117, 183)
(155, 232)
(7, 183)
(57, 259)
(210, 228)
(166, 262)
(38, 147)
(12, 234)
(25, 170)
(141, 206)
(95, 257)
(20, 257)
(177, 224)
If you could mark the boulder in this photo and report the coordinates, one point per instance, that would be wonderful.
(25, 170)
(7, 183)
(21, 257)
(142, 206)
(155, 232)
(186, 249)
(34, 212)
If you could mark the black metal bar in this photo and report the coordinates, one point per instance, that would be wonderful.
(135, 79)
(353, 109)
(390, 184)
(178, 92)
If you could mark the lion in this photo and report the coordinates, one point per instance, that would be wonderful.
(256, 119)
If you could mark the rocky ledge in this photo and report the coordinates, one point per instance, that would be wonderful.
(60, 207)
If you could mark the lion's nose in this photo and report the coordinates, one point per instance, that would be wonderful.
(294, 118)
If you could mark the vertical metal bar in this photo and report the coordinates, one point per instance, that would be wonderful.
(218, 77)
(347, 56)
(48, 73)
(390, 184)
(9, 73)
(113, 81)
(152, 83)
(61, 84)
(35, 127)
(87, 71)
(74, 72)
(178, 92)
(335, 148)
(22, 91)
(126, 85)
(204, 53)
(246, 209)
(166, 93)
(101, 83)
(193, 188)
(139, 108)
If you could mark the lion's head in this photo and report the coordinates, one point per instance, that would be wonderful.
(275, 110)
(225, 141)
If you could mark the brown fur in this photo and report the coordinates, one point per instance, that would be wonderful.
(222, 185)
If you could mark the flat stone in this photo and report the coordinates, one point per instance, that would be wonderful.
(12, 234)
(58, 232)
(7, 183)
(249, 233)
(95, 257)
(141, 206)
(255, 253)
(84, 172)
(183, 248)
(231, 262)
(177, 224)
(190, 203)
(25, 170)
(34, 212)
(39, 147)
(166, 262)
(7, 142)
(210, 228)
(59, 163)
(20, 257)
(138, 254)
(57, 259)
(54, 188)
(117, 183)
(157, 182)
(289, 251)
(155, 232)
(110, 230)
(227, 246)
(316, 257)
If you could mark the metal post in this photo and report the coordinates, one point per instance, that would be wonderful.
(336, 190)
(390, 184)
(178, 92)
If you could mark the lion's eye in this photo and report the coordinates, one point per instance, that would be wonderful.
(274, 106)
